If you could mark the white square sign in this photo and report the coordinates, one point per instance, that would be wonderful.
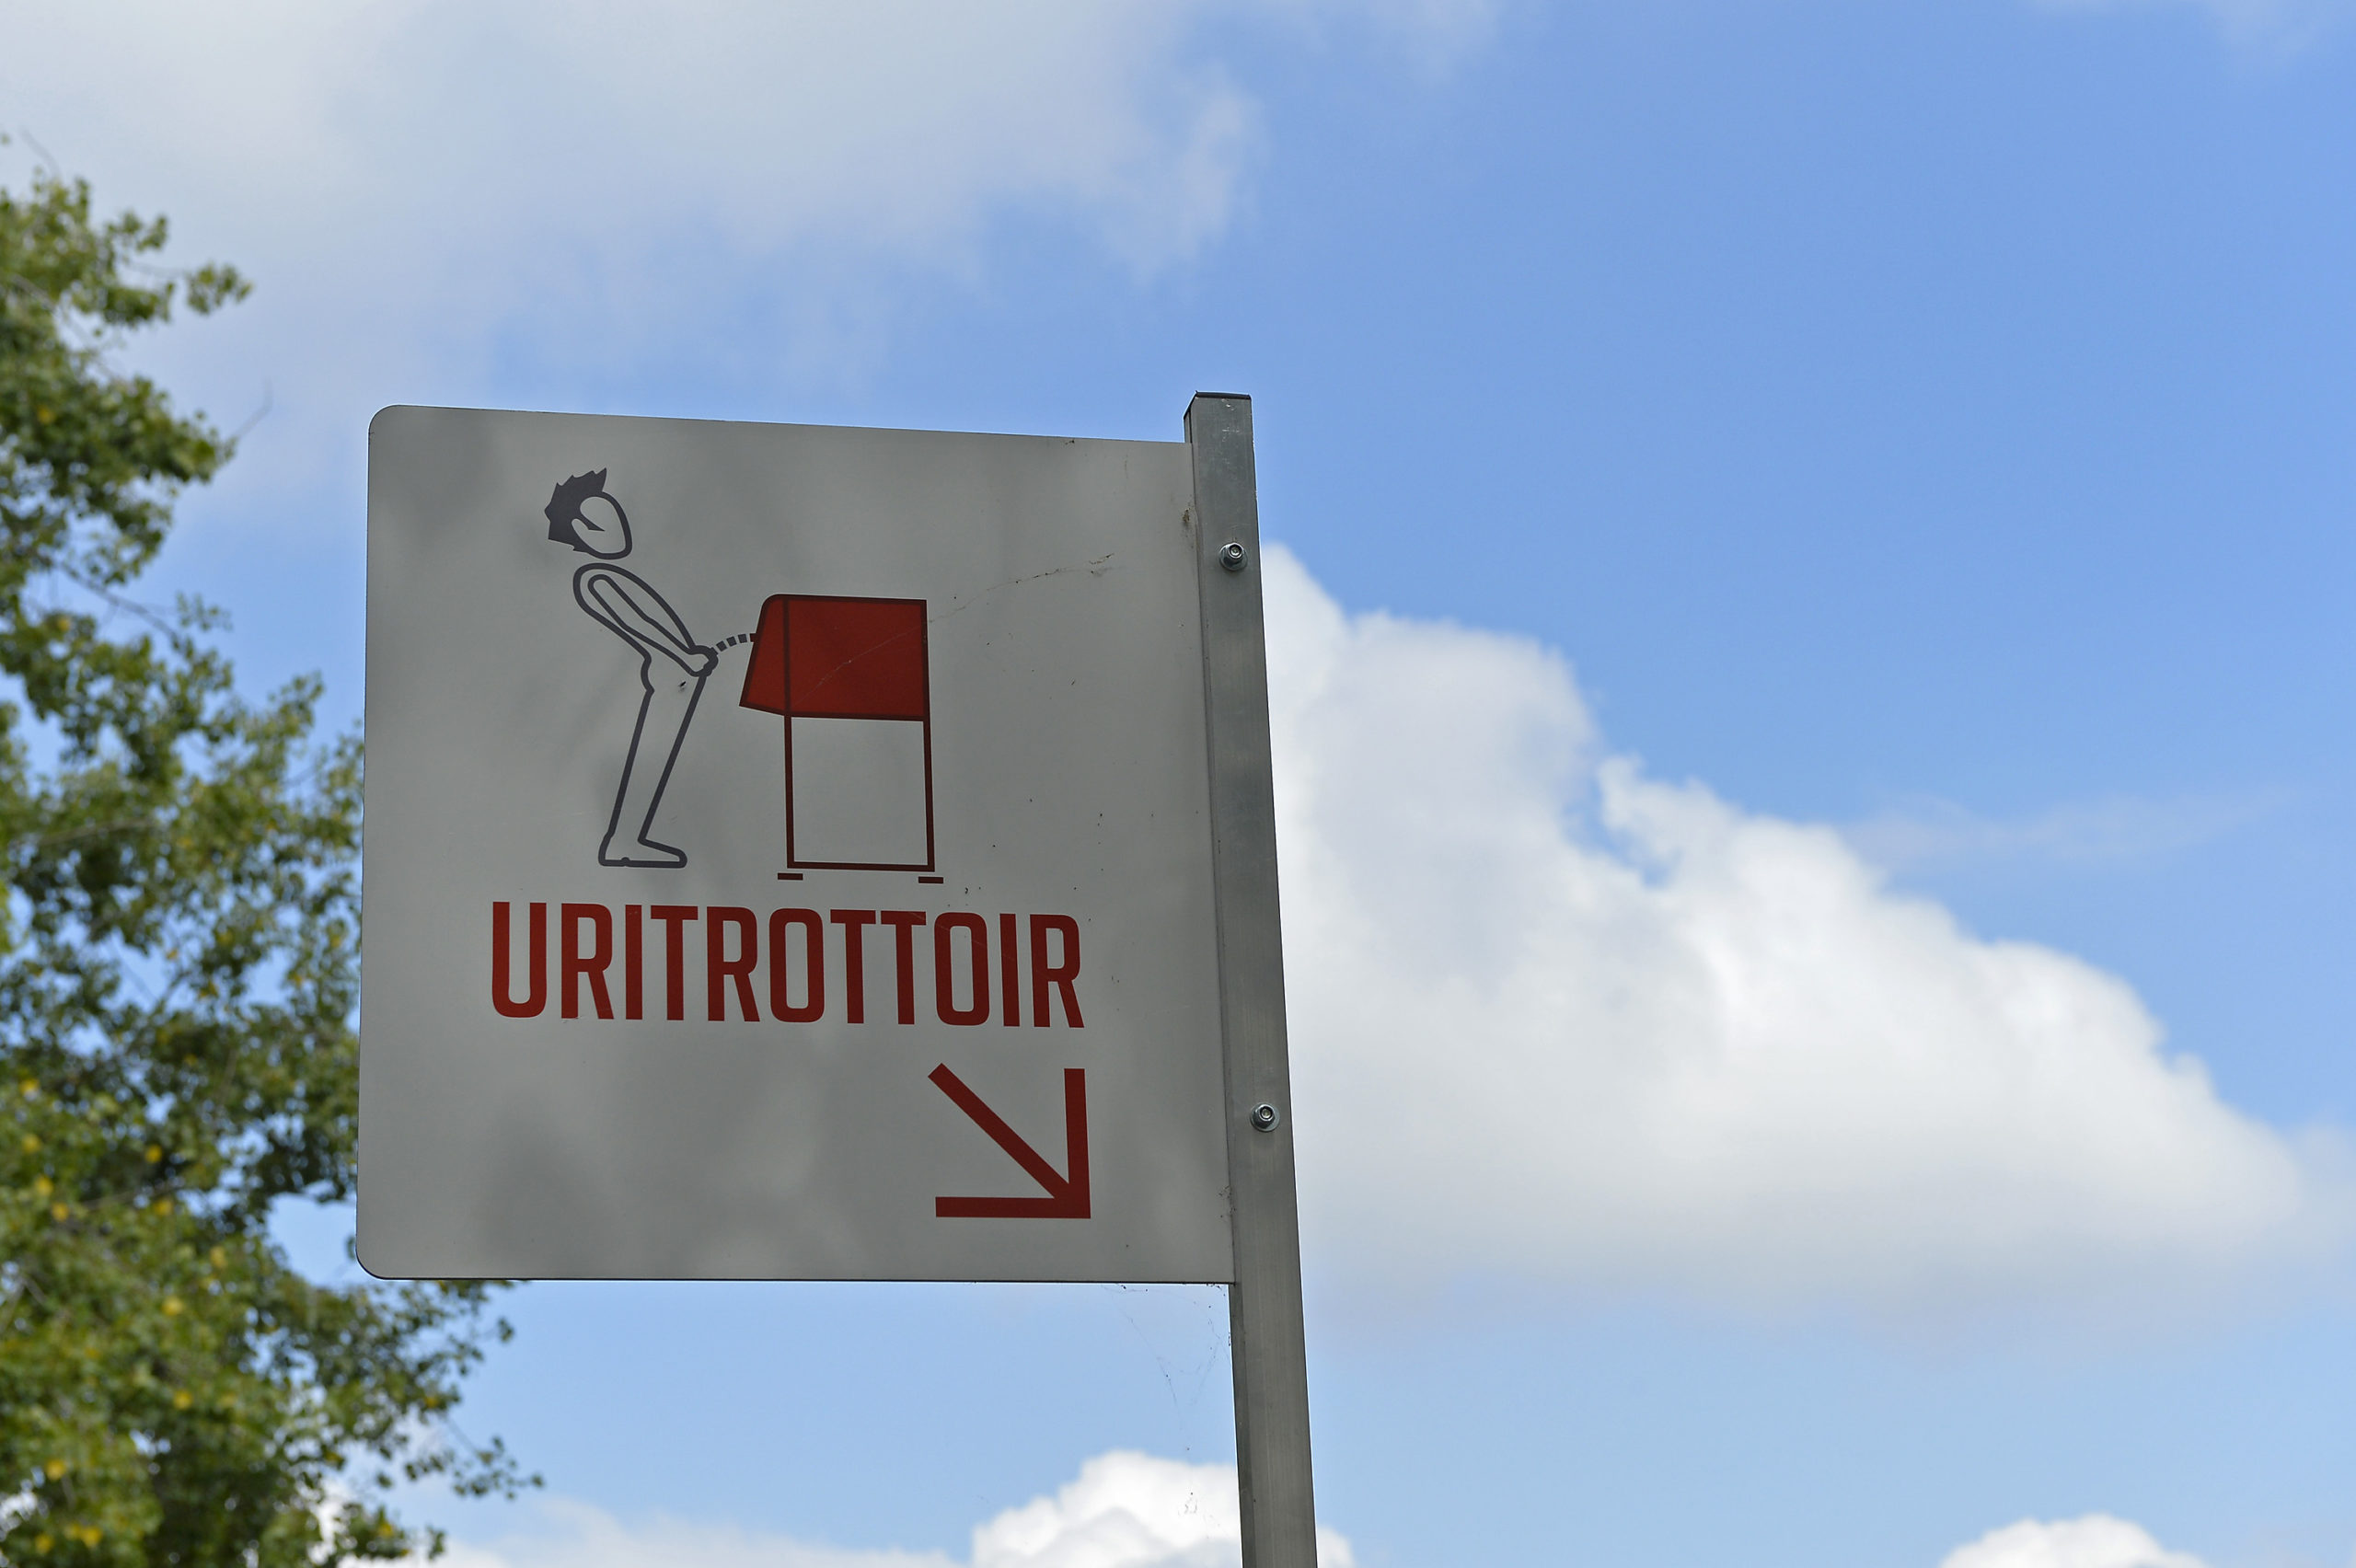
(788, 856)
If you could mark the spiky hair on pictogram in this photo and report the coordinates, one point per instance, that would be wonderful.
(564, 505)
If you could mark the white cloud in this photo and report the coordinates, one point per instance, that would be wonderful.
(1129, 1510)
(427, 189)
(1558, 1021)
(1124, 1510)
(1927, 833)
(437, 125)
(432, 193)
(2095, 1541)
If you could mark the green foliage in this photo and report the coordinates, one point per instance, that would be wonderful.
(179, 969)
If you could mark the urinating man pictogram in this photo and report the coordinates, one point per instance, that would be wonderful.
(671, 670)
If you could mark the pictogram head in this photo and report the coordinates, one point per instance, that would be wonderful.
(582, 514)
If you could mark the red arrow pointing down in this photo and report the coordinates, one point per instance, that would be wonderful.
(1067, 1196)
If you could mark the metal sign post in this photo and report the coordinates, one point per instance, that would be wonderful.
(1265, 1310)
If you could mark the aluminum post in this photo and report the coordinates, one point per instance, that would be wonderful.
(1263, 1306)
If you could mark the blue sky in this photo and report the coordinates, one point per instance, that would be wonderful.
(1892, 461)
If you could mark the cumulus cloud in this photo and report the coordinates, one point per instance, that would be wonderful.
(899, 121)
(1555, 1019)
(437, 195)
(432, 193)
(1127, 1510)
(1124, 1510)
(2095, 1541)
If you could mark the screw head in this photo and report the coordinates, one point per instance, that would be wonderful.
(1232, 556)
(1265, 1118)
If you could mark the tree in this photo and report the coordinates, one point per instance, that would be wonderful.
(178, 968)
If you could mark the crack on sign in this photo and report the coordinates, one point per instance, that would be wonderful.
(1097, 566)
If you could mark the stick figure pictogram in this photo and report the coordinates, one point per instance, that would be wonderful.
(672, 666)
